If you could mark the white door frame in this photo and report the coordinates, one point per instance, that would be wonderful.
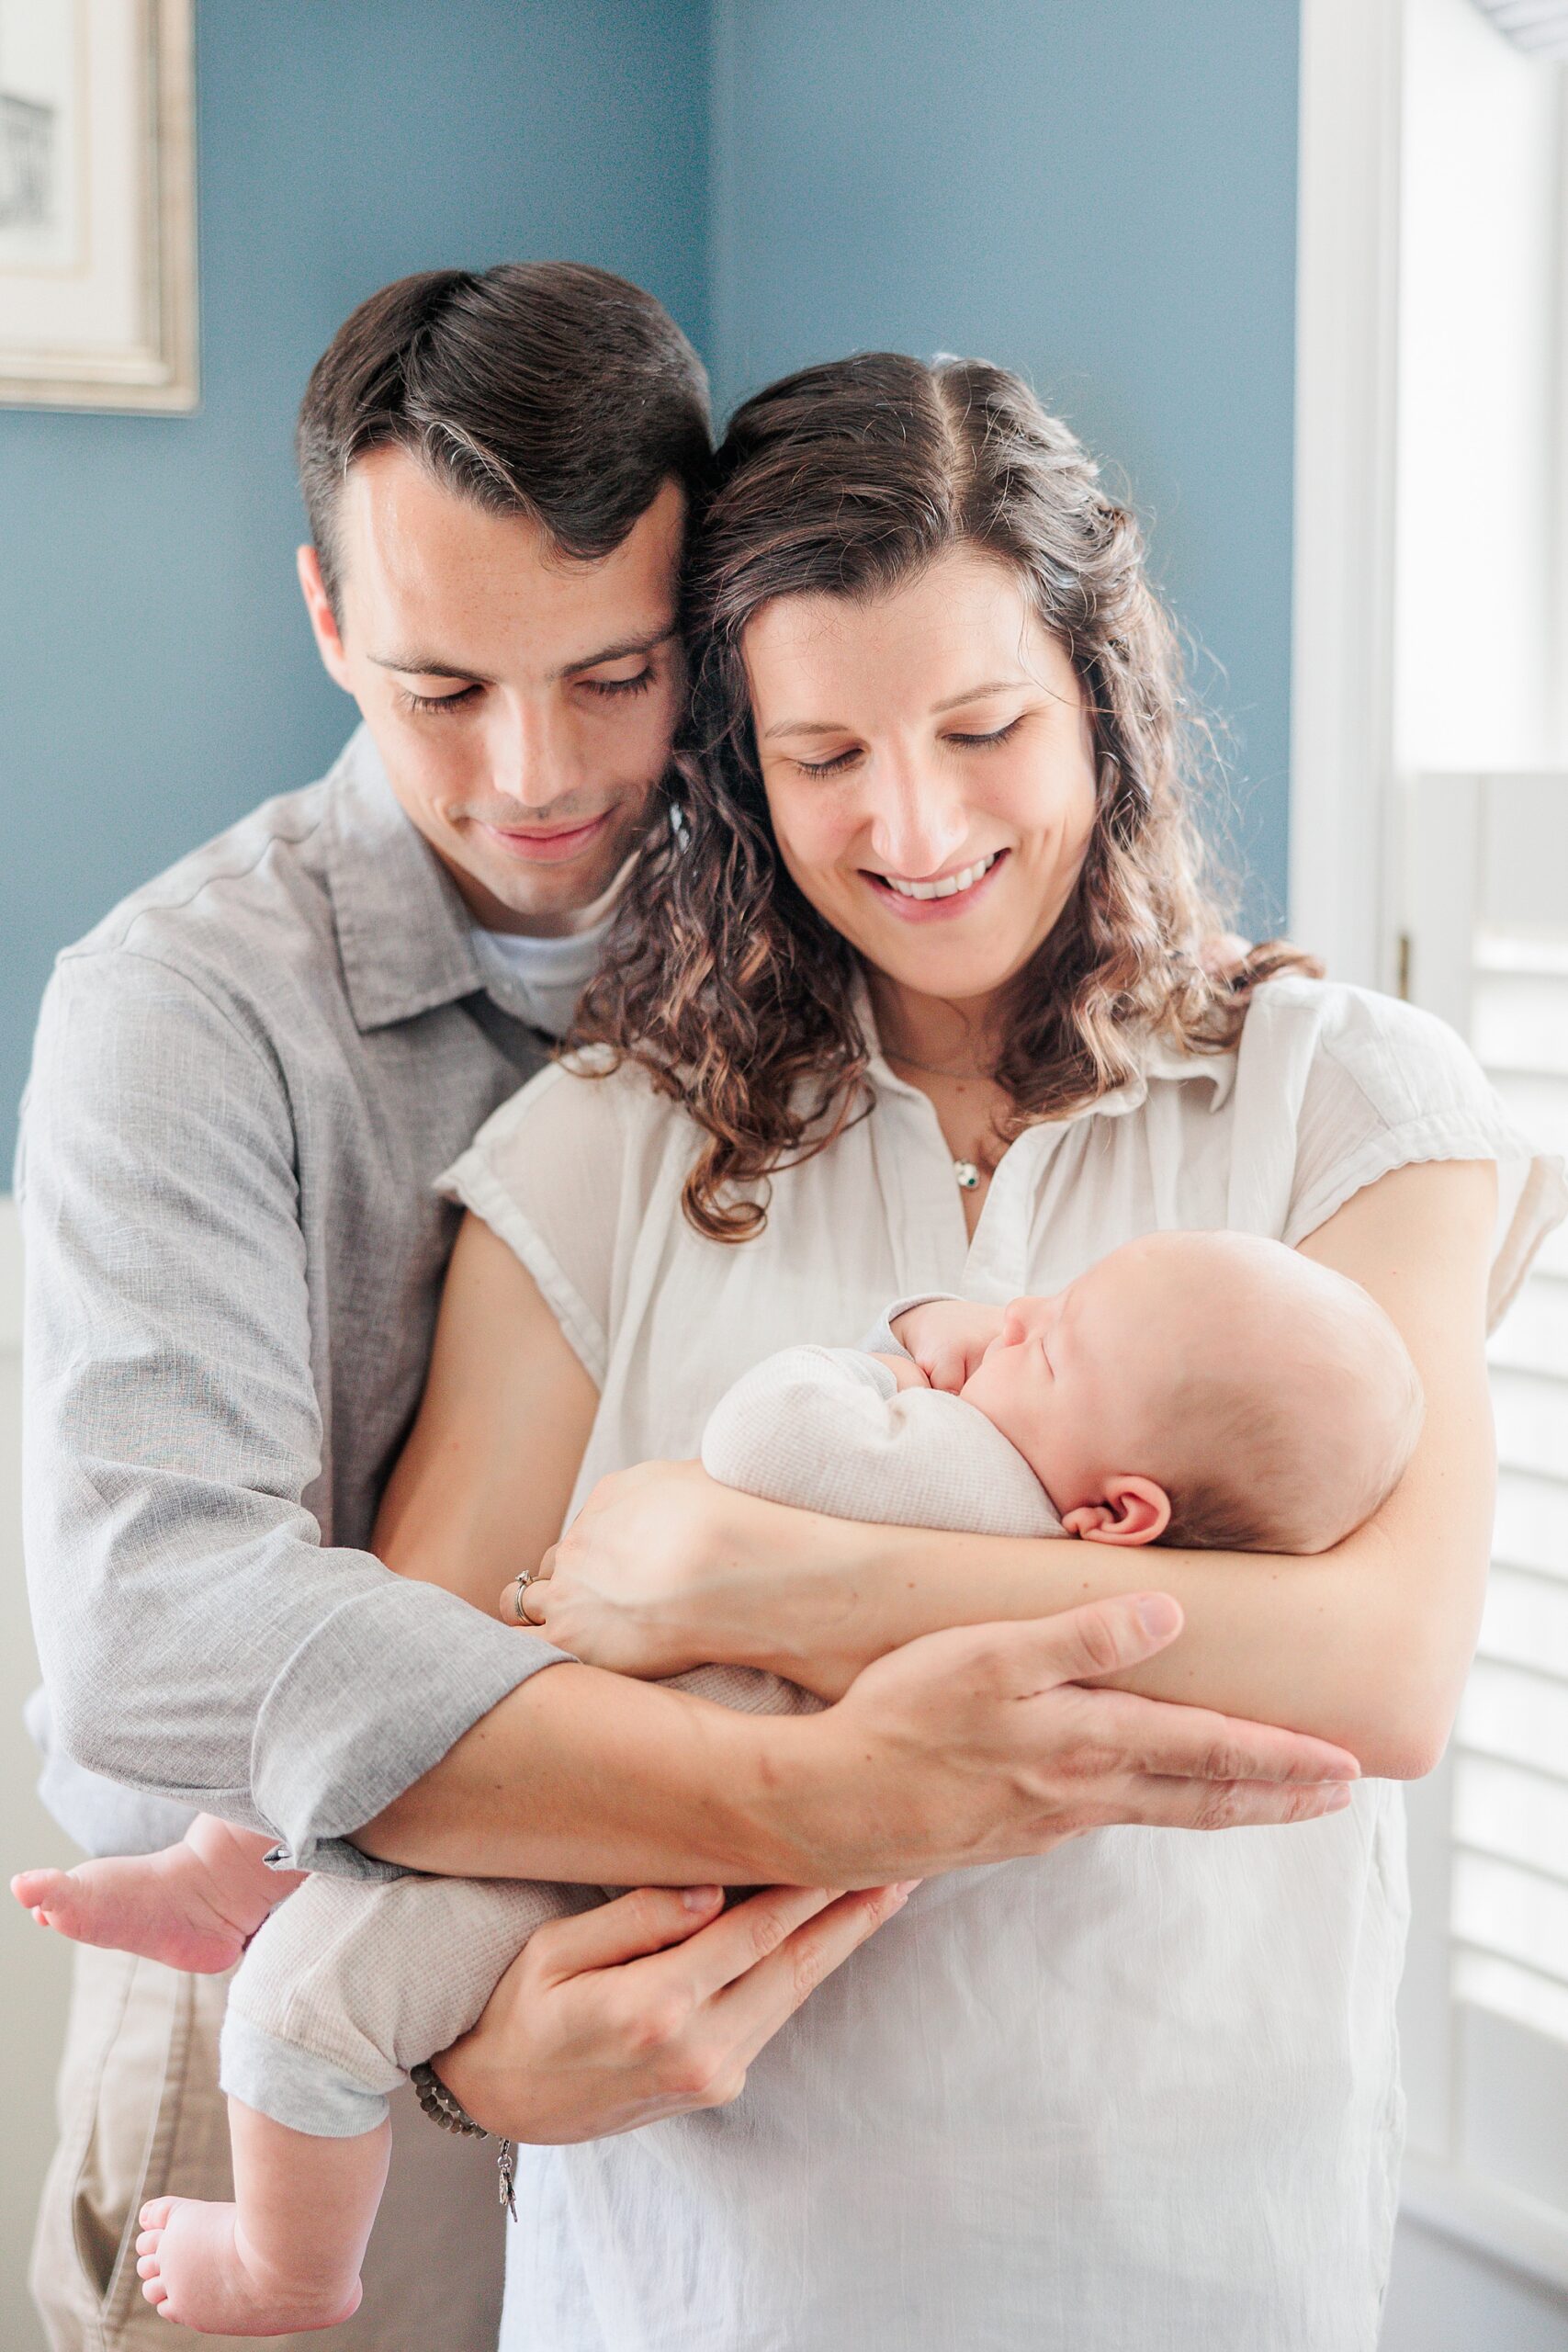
(1346, 349)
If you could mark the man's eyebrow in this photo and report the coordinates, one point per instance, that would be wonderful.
(419, 665)
(416, 665)
(648, 643)
(953, 702)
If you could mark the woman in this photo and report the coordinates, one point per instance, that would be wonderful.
(906, 997)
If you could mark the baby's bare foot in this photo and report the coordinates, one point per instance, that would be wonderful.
(195, 1906)
(127, 1905)
(197, 2269)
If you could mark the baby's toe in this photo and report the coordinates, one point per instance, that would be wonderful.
(155, 2212)
(34, 1887)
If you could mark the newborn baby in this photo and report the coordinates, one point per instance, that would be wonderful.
(1208, 1389)
(1211, 1390)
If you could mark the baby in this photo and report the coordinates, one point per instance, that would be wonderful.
(1210, 1389)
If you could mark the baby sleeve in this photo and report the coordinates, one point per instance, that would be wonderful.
(548, 1173)
(1389, 1086)
(879, 1340)
(829, 1430)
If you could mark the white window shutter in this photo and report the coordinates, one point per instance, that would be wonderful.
(1485, 2011)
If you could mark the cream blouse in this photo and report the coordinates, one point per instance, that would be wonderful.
(1139, 2094)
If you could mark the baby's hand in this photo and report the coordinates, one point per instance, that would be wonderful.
(947, 1337)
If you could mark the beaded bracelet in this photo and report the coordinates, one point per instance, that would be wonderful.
(453, 2116)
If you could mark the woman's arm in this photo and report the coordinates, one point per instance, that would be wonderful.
(482, 1486)
(1367, 1644)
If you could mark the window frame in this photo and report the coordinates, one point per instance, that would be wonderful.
(1357, 897)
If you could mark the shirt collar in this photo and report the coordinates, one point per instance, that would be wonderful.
(1159, 1061)
(405, 937)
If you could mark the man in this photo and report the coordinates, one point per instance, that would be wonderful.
(245, 1080)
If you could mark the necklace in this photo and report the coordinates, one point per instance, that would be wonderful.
(930, 1069)
(967, 1171)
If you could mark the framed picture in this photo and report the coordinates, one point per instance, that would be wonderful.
(98, 204)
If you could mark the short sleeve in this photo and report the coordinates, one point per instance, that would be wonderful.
(1390, 1086)
(547, 1172)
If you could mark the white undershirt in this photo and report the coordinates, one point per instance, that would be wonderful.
(551, 973)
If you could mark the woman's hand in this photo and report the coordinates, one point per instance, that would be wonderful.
(648, 2006)
(654, 1575)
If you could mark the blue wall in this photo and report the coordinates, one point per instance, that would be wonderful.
(1097, 191)
(1100, 193)
(157, 676)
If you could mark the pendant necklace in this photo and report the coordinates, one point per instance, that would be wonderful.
(968, 1171)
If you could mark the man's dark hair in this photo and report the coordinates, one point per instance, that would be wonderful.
(545, 389)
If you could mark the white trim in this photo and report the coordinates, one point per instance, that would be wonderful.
(1346, 346)
(10, 1277)
(158, 369)
(1557, 714)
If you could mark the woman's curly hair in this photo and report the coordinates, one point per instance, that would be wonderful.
(720, 979)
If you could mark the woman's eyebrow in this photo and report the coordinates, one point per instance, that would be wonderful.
(953, 702)
(808, 727)
(977, 694)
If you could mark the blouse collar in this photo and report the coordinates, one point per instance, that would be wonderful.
(1158, 1061)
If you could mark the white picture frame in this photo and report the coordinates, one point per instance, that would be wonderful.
(98, 204)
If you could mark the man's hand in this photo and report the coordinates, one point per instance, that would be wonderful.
(984, 1743)
(947, 1338)
(648, 2006)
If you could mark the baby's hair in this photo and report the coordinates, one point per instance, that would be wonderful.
(1270, 1476)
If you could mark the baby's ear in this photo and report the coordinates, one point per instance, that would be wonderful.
(1136, 1511)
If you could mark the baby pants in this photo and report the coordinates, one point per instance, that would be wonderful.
(352, 1982)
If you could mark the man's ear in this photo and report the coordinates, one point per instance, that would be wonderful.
(323, 620)
(1136, 1511)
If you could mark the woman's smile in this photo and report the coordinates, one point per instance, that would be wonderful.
(943, 898)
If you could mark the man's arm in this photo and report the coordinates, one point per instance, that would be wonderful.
(1366, 1644)
(197, 1638)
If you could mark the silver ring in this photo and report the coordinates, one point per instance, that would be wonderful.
(528, 1576)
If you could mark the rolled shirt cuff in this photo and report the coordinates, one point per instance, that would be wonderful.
(102, 1816)
(373, 1698)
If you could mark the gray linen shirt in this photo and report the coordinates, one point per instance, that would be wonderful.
(245, 1081)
